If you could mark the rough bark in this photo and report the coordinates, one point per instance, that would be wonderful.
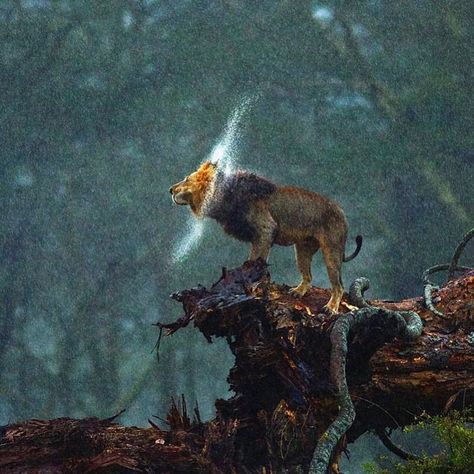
(287, 389)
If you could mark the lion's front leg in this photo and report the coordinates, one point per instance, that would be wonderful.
(260, 249)
(265, 226)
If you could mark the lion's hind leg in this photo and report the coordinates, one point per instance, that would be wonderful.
(333, 259)
(304, 252)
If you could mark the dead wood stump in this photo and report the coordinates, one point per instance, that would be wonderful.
(285, 398)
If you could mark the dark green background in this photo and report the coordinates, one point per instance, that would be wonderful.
(104, 104)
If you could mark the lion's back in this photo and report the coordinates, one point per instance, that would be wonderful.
(298, 211)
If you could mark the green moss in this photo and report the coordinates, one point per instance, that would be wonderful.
(456, 434)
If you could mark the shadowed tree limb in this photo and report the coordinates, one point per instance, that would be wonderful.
(356, 292)
(407, 325)
(429, 286)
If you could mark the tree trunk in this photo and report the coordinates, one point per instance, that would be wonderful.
(291, 365)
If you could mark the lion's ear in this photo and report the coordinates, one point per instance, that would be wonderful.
(209, 165)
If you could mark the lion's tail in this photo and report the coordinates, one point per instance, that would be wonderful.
(356, 251)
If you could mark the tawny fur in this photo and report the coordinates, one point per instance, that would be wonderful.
(256, 210)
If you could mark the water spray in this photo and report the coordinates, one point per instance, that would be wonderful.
(192, 236)
(224, 153)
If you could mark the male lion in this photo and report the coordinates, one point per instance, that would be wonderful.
(258, 211)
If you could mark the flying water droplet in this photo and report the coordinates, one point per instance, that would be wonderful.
(225, 152)
(189, 241)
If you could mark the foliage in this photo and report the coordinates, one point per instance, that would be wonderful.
(455, 433)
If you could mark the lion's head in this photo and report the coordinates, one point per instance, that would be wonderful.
(192, 190)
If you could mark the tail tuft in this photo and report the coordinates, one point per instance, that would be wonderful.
(356, 251)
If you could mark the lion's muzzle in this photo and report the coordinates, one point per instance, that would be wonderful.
(179, 196)
(178, 199)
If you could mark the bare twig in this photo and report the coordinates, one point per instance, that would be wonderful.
(114, 417)
(450, 267)
(389, 444)
(457, 253)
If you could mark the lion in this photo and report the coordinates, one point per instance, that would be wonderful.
(254, 209)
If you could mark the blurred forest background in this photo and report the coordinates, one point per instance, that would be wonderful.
(105, 104)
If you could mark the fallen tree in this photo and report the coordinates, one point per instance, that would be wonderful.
(306, 384)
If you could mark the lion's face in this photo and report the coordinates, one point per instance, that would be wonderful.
(192, 190)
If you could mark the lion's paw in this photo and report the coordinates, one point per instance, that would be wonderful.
(329, 309)
(300, 290)
(350, 307)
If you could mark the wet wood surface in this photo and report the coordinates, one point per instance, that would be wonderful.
(284, 399)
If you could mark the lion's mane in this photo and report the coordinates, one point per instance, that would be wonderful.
(230, 201)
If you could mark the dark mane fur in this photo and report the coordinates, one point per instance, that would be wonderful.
(229, 205)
